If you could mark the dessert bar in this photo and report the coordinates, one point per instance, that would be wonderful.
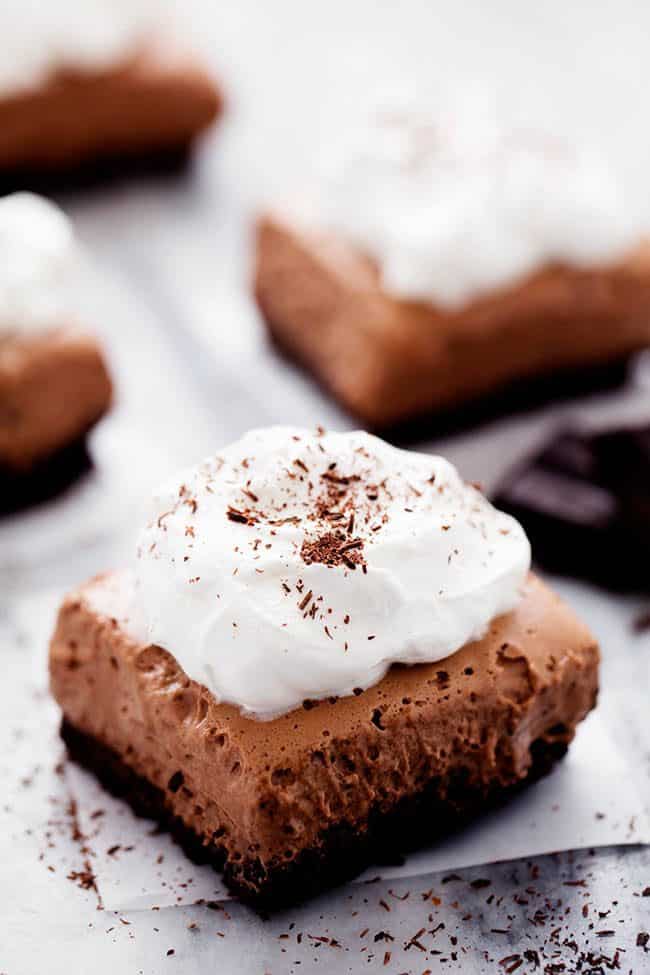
(437, 267)
(387, 360)
(329, 651)
(95, 90)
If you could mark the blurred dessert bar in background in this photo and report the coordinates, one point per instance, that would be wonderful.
(54, 383)
(584, 500)
(95, 83)
(439, 265)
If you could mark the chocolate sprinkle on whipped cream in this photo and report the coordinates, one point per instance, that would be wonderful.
(301, 564)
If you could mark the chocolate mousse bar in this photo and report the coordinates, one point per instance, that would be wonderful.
(54, 382)
(430, 277)
(97, 90)
(380, 668)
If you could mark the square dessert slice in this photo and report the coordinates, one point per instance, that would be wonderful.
(54, 382)
(290, 806)
(388, 359)
(149, 103)
(248, 683)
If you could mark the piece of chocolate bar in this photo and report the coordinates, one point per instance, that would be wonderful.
(584, 500)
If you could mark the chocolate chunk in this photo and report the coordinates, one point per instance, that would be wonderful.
(584, 501)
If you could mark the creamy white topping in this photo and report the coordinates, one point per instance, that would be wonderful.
(39, 257)
(42, 37)
(450, 212)
(299, 565)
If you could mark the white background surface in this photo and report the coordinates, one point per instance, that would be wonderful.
(194, 370)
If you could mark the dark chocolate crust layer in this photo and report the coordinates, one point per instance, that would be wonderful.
(50, 477)
(344, 851)
(97, 173)
(522, 396)
(519, 396)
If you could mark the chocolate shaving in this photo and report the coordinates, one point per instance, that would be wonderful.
(241, 517)
(333, 549)
(355, 543)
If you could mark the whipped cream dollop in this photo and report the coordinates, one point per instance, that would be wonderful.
(298, 565)
(39, 258)
(452, 211)
(40, 38)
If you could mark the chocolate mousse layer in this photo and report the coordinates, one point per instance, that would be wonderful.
(291, 805)
(389, 361)
(150, 107)
(54, 387)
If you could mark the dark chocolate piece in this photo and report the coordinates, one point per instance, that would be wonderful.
(584, 501)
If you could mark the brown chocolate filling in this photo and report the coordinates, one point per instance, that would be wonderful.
(344, 851)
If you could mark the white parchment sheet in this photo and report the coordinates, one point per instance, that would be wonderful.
(592, 798)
